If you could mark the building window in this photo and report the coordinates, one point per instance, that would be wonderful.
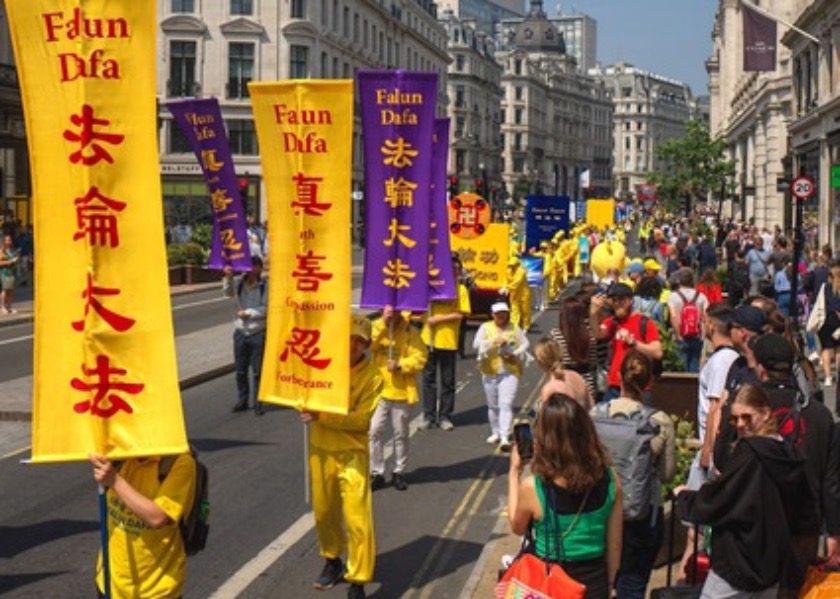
(459, 62)
(298, 59)
(459, 96)
(182, 69)
(345, 23)
(517, 67)
(298, 9)
(517, 116)
(178, 142)
(183, 5)
(241, 7)
(519, 93)
(517, 142)
(240, 69)
(243, 137)
(627, 125)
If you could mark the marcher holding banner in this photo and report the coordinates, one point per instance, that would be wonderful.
(146, 549)
(339, 465)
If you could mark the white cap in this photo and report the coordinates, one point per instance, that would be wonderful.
(499, 307)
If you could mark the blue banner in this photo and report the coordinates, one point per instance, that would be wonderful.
(580, 211)
(544, 216)
(533, 266)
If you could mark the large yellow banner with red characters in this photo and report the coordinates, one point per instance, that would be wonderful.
(305, 130)
(484, 256)
(105, 377)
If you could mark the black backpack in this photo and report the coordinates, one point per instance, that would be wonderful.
(195, 526)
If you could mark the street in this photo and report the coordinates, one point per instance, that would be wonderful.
(262, 543)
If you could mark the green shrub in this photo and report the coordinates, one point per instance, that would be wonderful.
(202, 234)
(686, 450)
(178, 254)
(175, 254)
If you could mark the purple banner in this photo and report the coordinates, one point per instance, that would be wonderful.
(441, 274)
(759, 41)
(201, 122)
(398, 119)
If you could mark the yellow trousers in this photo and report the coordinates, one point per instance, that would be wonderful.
(343, 509)
(520, 308)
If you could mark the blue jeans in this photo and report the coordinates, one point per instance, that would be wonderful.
(639, 547)
(247, 352)
(691, 349)
(444, 361)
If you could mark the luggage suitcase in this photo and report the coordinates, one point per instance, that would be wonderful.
(680, 592)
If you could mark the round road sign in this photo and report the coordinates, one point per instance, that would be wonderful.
(802, 188)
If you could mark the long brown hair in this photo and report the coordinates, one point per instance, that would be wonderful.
(636, 373)
(754, 397)
(566, 445)
(574, 326)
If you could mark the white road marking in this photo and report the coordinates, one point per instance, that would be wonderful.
(15, 340)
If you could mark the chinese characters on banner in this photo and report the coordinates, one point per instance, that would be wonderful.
(305, 131)
(103, 294)
(201, 122)
(398, 118)
(441, 274)
(544, 216)
(485, 257)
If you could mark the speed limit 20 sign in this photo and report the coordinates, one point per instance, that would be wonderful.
(802, 188)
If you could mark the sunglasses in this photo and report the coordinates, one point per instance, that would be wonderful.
(734, 419)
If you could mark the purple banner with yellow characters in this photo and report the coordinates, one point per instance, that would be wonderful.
(202, 124)
(398, 118)
(441, 274)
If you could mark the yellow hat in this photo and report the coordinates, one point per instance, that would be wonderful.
(651, 264)
(543, 244)
(360, 326)
(513, 261)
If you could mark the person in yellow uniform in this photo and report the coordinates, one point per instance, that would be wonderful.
(519, 294)
(399, 353)
(339, 464)
(440, 334)
(145, 547)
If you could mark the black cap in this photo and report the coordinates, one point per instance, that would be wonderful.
(750, 318)
(619, 290)
(774, 352)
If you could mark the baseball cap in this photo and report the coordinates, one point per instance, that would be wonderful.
(360, 326)
(634, 267)
(750, 318)
(619, 290)
(499, 307)
(651, 264)
(774, 352)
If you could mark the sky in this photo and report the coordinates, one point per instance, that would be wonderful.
(672, 38)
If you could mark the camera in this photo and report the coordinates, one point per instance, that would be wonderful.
(524, 440)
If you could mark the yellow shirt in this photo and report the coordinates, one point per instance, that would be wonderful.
(337, 432)
(410, 353)
(445, 334)
(147, 562)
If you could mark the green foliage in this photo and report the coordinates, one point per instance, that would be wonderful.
(191, 253)
(521, 187)
(202, 234)
(686, 438)
(692, 167)
(723, 277)
(672, 359)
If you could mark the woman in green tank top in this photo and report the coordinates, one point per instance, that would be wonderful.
(574, 487)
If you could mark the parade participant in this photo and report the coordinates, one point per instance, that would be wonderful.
(8, 261)
(753, 506)
(342, 504)
(251, 294)
(518, 293)
(146, 553)
(500, 346)
(556, 377)
(642, 538)
(623, 331)
(463, 277)
(399, 354)
(687, 308)
(440, 334)
(572, 484)
(574, 337)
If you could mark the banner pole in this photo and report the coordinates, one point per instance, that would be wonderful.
(103, 531)
(306, 491)
(781, 21)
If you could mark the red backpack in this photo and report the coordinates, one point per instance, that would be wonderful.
(689, 317)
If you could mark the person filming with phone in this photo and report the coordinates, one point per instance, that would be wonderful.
(570, 503)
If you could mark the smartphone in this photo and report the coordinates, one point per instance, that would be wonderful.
(524, 440)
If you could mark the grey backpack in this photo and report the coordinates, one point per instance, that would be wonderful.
(628, 441)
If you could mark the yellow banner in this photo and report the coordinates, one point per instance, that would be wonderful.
(305, 130)
(600, 213)
(105, 377)
(486, 256)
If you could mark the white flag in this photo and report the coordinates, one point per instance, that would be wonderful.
(584, 179)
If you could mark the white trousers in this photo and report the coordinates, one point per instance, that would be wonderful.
(500, 391)
(397, 412)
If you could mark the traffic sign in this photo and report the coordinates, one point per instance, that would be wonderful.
(802, 188)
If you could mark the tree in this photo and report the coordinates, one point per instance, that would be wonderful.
(692, 167)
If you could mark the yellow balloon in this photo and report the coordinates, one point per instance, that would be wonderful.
(608, 255)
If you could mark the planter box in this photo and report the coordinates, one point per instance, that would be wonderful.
(676, 393)
(191, 275)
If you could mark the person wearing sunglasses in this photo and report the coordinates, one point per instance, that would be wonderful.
(754, 507)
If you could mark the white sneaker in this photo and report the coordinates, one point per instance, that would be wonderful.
(829, 381)
(505, 445)
(446, 424)
(814, 356)
(493, 439)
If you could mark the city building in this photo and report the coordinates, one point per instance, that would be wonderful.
(15, 191)
(751, 111)
(580, 32)
(649, 110)
(486, 14)
(557, 121)
(475, 93)
(215, 48)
